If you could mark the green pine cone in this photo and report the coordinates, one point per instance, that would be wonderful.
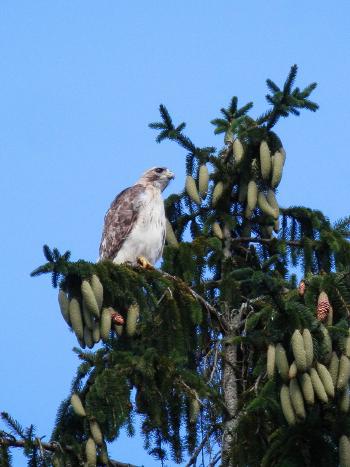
(282, 362)
(326, 346)
(265, 160)
(271, 199)
(90, 452)
(217, 193)
(217, 231)
(96, 432)
(307, 388)
(131, 319)
(297, 342)
(344, 401)
(238, 151)
(106, 323)
(326, 379)
(265, 206)
(77, 405)
(64, 305)
(89, 298)
(191, 190)
(277, 169)
(318, 386)
(297, 398)
(271, 357)
(76, 318)
(293, 370)
(309, 347)
(344, 372)
(334, 368)
(97, 289)
(344, 451)
(170, 235)
(286, 405)
(88, 319)
(203, 180)
(252, 195)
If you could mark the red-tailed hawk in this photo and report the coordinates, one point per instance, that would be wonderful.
(134, 225)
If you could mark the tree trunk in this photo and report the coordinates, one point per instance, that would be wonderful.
(229, 384)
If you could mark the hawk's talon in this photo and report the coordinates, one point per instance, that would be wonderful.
(144, 263)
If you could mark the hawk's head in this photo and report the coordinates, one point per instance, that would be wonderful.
(159, 177)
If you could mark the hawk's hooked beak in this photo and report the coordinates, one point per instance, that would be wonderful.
(170, 175)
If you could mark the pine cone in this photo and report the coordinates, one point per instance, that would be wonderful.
(302, 288)
(117, 318)
(323, 306)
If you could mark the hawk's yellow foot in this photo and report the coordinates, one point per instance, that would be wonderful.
(144, 263)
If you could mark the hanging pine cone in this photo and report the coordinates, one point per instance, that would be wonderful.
(117, 318)
(323, 306)
(301, 288)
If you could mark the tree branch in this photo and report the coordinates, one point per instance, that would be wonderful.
(196, 453)
(265, 240)
(198, 297)
(51, 447)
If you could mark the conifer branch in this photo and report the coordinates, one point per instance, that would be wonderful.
(195, 295)
(51, 447)
(287, 101)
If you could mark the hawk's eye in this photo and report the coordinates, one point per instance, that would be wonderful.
(159, 170)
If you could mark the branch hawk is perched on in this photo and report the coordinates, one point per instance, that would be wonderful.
(134, 225)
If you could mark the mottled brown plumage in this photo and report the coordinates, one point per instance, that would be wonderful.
(135, 222)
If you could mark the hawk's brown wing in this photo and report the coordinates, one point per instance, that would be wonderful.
(119, 220)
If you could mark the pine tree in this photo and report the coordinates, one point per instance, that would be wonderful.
(220, 351)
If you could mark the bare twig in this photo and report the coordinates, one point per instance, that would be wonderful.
(166, 293)
(200, 447)
(215, 460)
(265, 240)
(214, 363)
(40, 444)
(256, 385)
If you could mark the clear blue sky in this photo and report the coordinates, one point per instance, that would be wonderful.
(79, 82)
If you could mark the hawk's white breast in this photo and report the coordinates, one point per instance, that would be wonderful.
(146, 237)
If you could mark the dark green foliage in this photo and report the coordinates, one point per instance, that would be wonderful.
(259, 272)
(159, 362)
(287, 101)
(5, 454)
(28, 440)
